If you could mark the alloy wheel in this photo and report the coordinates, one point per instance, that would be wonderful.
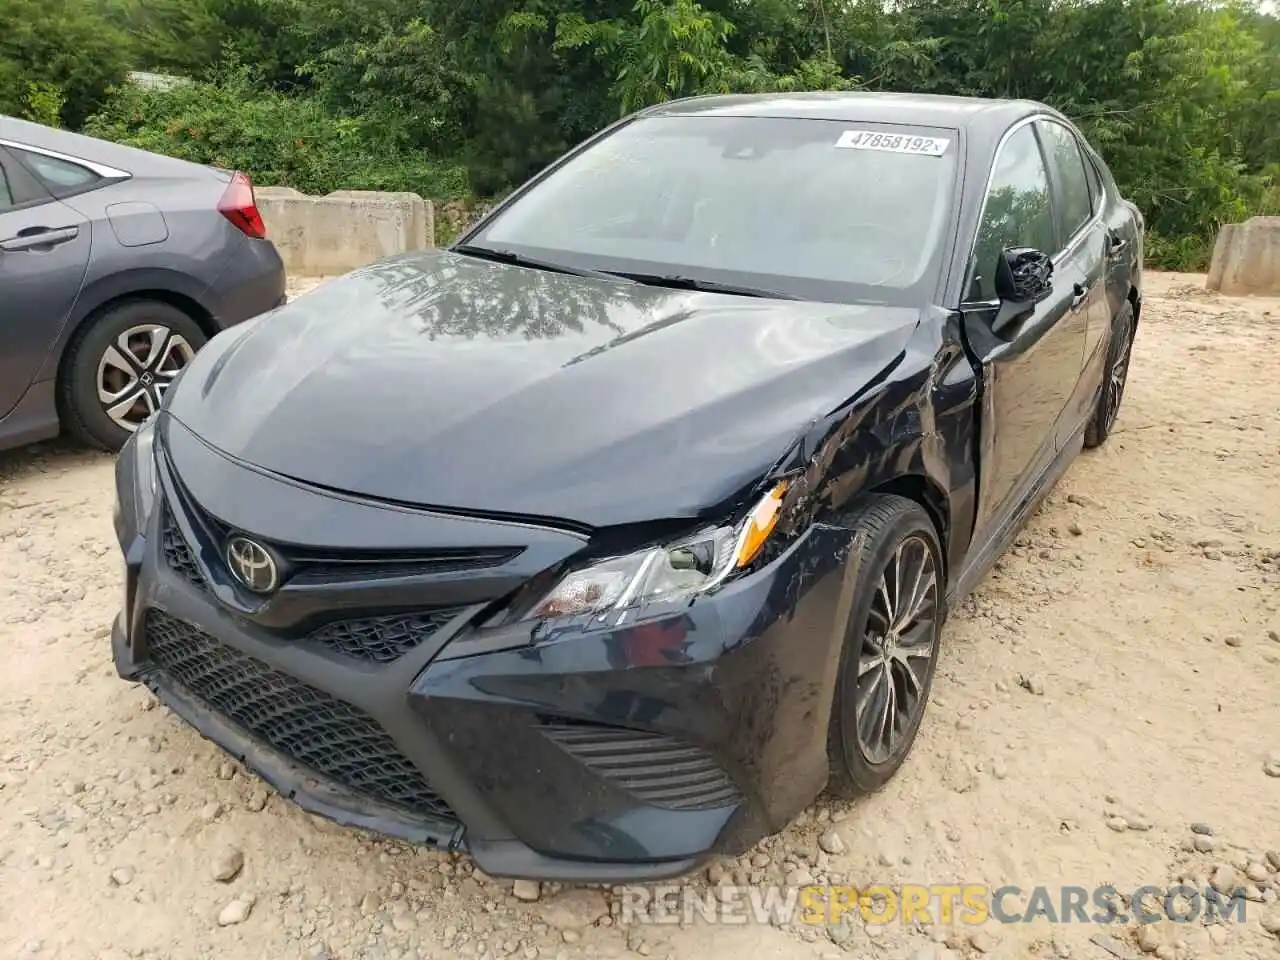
(137, 369)
(1119, 372)
(898, 642)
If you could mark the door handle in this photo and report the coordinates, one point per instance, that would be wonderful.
(1115, 243)
(1081, 295)
(39, 237)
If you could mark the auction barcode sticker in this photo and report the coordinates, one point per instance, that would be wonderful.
(893, 143)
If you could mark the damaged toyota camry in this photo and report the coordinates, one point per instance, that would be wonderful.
(604, 540)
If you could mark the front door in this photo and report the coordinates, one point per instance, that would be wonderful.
(44, 253)
(1029, 369)
(1083, 236)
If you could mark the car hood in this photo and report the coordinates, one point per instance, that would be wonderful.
(443, 380)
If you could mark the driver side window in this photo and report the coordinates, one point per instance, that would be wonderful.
(1015, 213)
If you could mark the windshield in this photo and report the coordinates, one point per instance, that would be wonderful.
(815, 209)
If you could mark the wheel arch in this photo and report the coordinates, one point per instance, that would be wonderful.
(164, 286)
(925, 491)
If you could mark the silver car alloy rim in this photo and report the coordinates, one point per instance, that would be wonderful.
(896, 649)
(137, 369)
(1118, 374)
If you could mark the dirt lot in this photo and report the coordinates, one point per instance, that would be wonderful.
(1114, 680)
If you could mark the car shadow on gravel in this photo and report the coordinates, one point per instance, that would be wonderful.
(47, 457)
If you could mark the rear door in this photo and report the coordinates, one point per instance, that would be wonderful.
(44, 254)
(1030, 369)
(1083, 237)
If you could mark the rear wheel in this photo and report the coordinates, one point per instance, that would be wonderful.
(891, 645)
(117, 371)
(1114, 379)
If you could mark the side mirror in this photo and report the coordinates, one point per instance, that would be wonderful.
(1024, 277)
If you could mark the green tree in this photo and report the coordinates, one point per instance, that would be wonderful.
(67, 46)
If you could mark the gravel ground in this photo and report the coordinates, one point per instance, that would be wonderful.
(1112, 682)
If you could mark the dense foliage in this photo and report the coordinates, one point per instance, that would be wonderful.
(454, 98)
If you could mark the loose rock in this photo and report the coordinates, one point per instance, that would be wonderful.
(1032, 684)
(237, 911)
(526, 890)
(1224, 879)
(1203, 829)
(122, 876)
(841, 932)
(1148, 938)
(831, 843)
(799, 877)
(227, 864)
(574, 909)
(1118, 824)
(958, 774)
(1205, 844)
(982, 941)
(1271, 766)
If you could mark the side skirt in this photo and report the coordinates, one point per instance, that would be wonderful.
(983, 557)
(35, 417)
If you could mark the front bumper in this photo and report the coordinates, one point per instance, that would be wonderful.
(597, 755)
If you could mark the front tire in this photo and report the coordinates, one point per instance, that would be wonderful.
(1114, 378)
(119, 367)
(891, 645)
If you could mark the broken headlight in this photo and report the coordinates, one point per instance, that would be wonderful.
(145, 482)
(690, 566)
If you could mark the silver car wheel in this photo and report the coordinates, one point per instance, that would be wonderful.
(137, 369)
(899, 641)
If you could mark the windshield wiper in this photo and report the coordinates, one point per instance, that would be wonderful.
(520, 260)
(677, 282)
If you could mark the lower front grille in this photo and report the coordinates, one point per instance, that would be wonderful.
(328, 736)
(177, 553)
(381, 639)
(657, 769)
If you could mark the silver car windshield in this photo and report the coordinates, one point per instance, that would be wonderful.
(815, 208)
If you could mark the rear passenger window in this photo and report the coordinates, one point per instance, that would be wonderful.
(60, 176)
(18, 188)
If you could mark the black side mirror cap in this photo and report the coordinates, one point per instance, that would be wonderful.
(1024, 277)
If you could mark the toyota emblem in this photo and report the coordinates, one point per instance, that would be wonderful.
(252, 565)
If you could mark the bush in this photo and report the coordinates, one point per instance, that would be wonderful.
(51, 49)
(278, 139)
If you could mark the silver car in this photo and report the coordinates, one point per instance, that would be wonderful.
(116, 265)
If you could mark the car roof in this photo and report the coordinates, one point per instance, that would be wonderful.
(129, 159)
(979, 114)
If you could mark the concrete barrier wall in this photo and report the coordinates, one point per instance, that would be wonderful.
(324, 236)
(1246, 258)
